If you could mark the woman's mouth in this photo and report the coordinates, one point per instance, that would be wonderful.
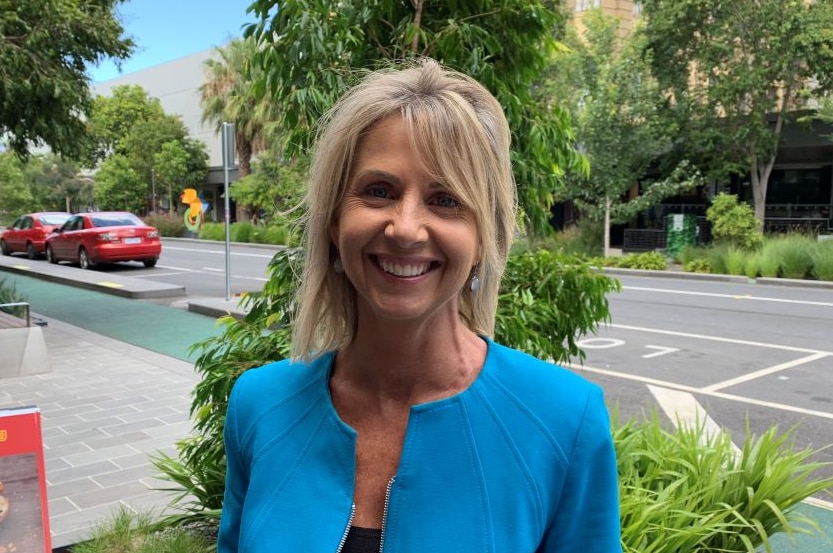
(404, 269)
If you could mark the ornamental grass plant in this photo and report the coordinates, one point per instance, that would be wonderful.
(821, 256)
(683, 491)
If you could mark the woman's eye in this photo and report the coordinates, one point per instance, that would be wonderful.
(446, 200)
(377, 191)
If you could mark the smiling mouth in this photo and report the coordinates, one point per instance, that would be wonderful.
(404, 270)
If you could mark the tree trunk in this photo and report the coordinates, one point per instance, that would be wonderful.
(607, 226)
(244, 168)
(69, 204)
(761, 171)
(417, 23)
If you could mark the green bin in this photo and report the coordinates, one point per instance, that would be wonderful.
(681, 231)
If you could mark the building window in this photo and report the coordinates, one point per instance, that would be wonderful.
(637, 9)
(584, 5)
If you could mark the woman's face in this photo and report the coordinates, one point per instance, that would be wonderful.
(406, 243)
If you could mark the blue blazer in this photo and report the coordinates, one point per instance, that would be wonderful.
(522, 461)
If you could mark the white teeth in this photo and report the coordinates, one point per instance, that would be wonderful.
(404, 270)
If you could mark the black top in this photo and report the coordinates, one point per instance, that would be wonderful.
(363, 540)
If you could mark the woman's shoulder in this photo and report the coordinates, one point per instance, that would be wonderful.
(541, 387)
(281, 380)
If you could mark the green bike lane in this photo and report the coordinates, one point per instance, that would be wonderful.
(166, 330)
(172, 331)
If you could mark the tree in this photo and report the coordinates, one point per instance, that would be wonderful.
(57, 184)
(310, 52)
(113, 117)
(45, 49)
(119, 187)
(227, 95)
(614, 100)
(15, 193)
(274, 186)
(735, 72)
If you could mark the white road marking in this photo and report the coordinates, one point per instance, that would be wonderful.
(221, 252)
(684, 410)
(662, 350)
(692, 389)
(150, 275)
(729, 296)
(600, 343)
(213, 270)
(717, 339)
(765, 372)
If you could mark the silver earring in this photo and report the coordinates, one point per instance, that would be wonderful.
(338, 267)
(474, 283)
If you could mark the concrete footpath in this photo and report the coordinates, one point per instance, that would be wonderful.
(118, 391)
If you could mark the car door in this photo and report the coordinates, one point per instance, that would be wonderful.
(63, 244)
(15, 237)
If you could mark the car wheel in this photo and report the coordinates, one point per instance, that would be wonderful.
(50, 255)
(5, 248)
(84, 259)
(149, 263)
(31, 252)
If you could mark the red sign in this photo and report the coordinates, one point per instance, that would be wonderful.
(24, 518)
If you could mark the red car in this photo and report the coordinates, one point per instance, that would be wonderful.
(104, 237)
(28, 233)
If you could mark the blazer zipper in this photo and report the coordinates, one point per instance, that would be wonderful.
(384, 520)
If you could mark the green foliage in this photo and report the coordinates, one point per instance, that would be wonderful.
(275, 186)
(10, 294)
(129, 532)
(731, 112)
(548, 301)
(614, 100)
(687, 491)
(57, 184)
(717, 258)
(119, 187)
(167, 225)
(113, 117)
(734, 222)
(213, 231)
(752, 266)
(228, 95)
(769, 261)
(45, 50)
(647, 261)
(736, 261)
(697, 265)
(262, 336)
(241, 232)
(504, 44)
(15, 192)
(690, 253)
(822, 258)
(793, 251)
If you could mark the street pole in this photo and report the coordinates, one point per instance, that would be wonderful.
(153, 190)
(228, 164)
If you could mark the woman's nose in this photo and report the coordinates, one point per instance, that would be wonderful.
(408, 224)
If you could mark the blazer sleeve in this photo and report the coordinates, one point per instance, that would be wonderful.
(237, 479)
(587, 518)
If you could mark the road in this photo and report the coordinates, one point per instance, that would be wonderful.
(723, 353)
(200, 266)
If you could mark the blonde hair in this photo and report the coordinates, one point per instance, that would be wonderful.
(460, 131)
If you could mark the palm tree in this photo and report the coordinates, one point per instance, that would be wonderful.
(227, 96)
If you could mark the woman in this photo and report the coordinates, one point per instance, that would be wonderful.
(400, 425)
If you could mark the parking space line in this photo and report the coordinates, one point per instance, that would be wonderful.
(684, 409)
(717, 339)
(764, 372)
(691, 389)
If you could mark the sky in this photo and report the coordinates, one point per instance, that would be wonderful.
(165, 30)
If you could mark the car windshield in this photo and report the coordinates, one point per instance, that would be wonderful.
(53, 219)
(116, 220)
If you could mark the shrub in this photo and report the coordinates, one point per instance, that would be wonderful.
(686, 491)
(126, 532)
(752, 266)
(167, 225)
(734, 222)
(690, 253)
(698, 265)
(794, 254)
(735, 261)
(645, 261)
(769, 260)
(717, 258)
(821, 256)
(240, 232)
(10, 294)
(213, 231)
